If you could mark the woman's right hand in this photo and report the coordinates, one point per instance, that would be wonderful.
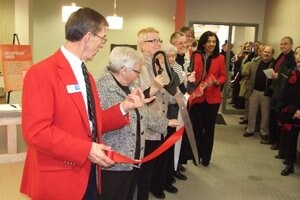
(157, 84)
(174, 123)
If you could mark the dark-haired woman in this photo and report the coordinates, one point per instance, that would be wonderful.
(204, 102)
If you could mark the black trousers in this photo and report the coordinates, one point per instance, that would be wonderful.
(274, 128)
(118, 185)
(185, 150)
(148, 171)
(92, 192)
(203, 117)
(169, 159)
(288, 145)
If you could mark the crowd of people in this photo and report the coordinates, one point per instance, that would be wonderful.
(266, 88)
(71, 120)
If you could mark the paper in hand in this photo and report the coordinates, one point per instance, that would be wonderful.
(269, 72)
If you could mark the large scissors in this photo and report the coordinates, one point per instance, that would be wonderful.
(192, 86)
(161, 66)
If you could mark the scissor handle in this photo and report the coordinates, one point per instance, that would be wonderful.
(192, 61)
(170, 87)
(192, 86)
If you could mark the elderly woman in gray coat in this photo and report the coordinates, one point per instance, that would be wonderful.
(119, 181)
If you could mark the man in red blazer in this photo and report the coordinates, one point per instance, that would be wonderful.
(55, 120)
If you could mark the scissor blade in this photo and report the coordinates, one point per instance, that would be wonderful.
(187, 123)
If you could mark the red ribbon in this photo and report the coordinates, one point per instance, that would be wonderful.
(119, 158)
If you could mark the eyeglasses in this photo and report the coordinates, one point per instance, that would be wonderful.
(154, 41)
(180, 43)
(171, 55)
(190, 36)
(136, 71)
(103, 38)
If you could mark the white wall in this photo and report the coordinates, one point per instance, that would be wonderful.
(282, 20)
(22, 29)
(22, 20)
(48, 30)
(229, 11)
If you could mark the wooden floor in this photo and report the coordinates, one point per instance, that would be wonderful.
(240, 169)
(11, 175)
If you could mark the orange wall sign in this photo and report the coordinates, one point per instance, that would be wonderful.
(15, 61)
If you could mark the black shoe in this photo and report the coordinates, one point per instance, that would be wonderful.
(238, 107)
(265, 139)
(205, 163)
(262, 141)
(194, 162)
(279, 157)
(173, 180)
(275, 147)
(246, 134)
(181, 168)
(285, 162)
(289, 169)
(171, 189)
(159, 195)
(243, 122)
(180, 176)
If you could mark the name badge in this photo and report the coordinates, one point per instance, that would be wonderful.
(73, 88)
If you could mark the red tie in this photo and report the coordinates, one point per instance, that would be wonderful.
(279, 62)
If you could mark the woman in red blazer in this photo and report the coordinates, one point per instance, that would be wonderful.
(204, 102)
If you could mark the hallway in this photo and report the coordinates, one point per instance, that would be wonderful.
(241, 169)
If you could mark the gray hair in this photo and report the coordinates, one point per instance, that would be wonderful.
(169, 47)
(290, 39)
(123, 57)
(175, 36)
(82, 21)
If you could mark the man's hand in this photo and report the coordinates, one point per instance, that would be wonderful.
(274, 75)
(98, 156)
(135, 99)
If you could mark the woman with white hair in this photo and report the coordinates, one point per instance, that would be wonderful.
(119, 181)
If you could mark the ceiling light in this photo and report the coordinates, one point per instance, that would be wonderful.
(68, 10)
(115, 22)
